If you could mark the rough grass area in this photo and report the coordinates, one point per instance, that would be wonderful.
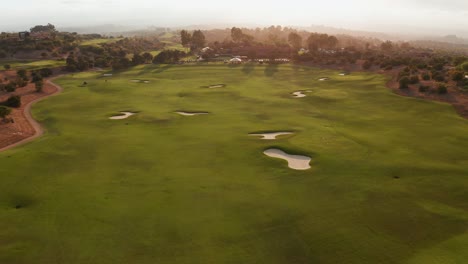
(388, 183)
(33, 65)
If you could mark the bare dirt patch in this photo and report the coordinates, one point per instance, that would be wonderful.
(454, 96)
(24, 128)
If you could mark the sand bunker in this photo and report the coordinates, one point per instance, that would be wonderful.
(107, 75)
(191, 113)
(139, 81)
(217, 86)
(324, 79)
(295, 162)
(271, 136)
(299, 94)
(344, 74)
(123, 115)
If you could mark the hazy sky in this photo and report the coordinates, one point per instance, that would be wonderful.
(431, 16)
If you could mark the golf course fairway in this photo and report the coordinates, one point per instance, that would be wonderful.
(388, 181)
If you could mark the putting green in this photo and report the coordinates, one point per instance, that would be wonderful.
(388, 183)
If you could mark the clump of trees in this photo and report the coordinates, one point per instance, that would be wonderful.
(195, 41)
(239, 37)
(169, 56)
(295, 40)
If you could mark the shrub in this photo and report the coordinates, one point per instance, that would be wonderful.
(46, 72)
(366, 65)
(13, 101)
(423, 88)
(414, 79)
(4, 111)
(404, 82)
(11, 87)
(438, 77)
(458, 76)
(39, 85)
(442, 89)
(426, 76)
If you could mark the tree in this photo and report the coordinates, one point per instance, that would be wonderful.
(198, 40)
(185, 38)
(168, 56)
(295, 40)
(332, 42)
(386, 46)
(147, 57)
(36, 76)
(21, 73)
(39, 85)
(7, 67)
(13, 101)
(40, 28)
(236, 34)
(4, 112)
(464, 66)
(137, 59)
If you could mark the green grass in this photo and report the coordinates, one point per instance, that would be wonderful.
(388, 185)
(33, 65)
(96, 42)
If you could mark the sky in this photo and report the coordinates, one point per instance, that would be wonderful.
(398, 16)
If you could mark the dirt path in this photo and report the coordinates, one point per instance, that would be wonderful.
(25, 129)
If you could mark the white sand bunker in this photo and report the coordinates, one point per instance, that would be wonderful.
(295, 162)
(191, 113)
(139, 81)
(217, 86)
(123, 115)
(107, 75)
(299, 94)
(271, 136)
(324, 79)
(344, 74)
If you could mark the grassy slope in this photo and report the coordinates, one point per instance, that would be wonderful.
(161, 188)
(34, 65)
(97, 42)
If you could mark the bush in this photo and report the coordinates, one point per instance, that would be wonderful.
(366, 65)
(4, 111)
(13, 101)
(423, 89)
(426, 76)
(458, 76)
(46, 72)
(414, 79)
(404, 82)
(438, 77)
(11, 87)
(442, 89)
(39, 85)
